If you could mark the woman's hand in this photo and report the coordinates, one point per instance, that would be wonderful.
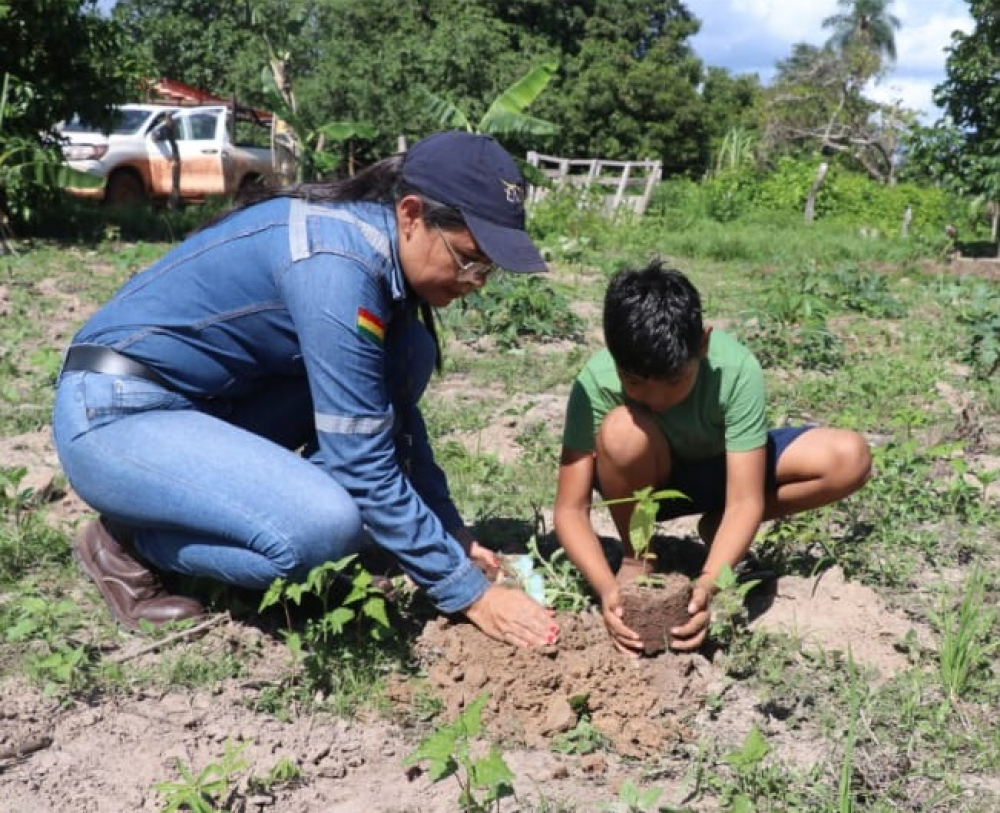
(511, 615)
(692, 635)
(625, 641)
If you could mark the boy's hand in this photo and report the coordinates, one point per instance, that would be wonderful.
(512, 616)
(486, 560)
(692, 635)
(625, 641)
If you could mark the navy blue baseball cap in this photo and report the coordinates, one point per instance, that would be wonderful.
(475, 175)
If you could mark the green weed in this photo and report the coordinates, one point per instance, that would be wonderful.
(283, 773)
(210, 790)
(27, 541)
(583, 738)
(513, 308)
(483, 781)
(343, 607)
(633, 799)
(729, 611)
(967, 638)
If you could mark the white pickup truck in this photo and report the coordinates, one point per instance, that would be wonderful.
(138, 161)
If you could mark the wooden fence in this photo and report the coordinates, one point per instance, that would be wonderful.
(622, 183)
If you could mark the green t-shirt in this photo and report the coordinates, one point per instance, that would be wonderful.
(724, 412)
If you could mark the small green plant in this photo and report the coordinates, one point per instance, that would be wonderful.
(583, 738)
(967, 646)
(211, 790)
(515, 307)
(26, 539)
(483, 781)
(747, 763)
(565, 588)
(982, 322)
(633, 799)
(58, 664)
(729, 604)
(284, 772)
(362, 611)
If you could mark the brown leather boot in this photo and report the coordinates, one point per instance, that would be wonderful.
(132, 591)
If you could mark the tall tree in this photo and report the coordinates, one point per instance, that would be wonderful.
(816, 105)
(62, 57)
(970, 96)
(631, 89)
(58, 58)
(199, 42)
(625, 65)
(867, 24)
(731, 103)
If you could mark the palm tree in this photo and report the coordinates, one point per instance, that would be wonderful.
(865, 23)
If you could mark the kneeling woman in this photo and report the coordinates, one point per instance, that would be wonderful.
(247, 407)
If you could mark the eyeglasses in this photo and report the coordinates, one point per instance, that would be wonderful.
(471, 271)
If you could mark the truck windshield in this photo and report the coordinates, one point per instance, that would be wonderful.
(126, 122)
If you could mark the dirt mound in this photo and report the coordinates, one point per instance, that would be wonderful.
(534, 695)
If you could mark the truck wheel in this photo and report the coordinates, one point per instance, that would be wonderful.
(251, 187)
(123, 189)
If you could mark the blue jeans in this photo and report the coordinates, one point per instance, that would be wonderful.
(214, 488)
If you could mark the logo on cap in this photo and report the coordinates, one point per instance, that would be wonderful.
(514, 191)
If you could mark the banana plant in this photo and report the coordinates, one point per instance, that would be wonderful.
(505, 116)
(307, 141)
(26, 163)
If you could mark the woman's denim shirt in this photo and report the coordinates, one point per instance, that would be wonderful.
(293, 288)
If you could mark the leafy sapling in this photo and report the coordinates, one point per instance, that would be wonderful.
(642, 523)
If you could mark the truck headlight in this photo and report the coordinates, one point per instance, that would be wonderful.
(85, 152)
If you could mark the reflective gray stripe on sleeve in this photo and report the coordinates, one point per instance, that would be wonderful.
(298, 234)
(352, 424)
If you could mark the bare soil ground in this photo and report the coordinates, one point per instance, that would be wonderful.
(106, 754)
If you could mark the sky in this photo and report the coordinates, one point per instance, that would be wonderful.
(750, 36)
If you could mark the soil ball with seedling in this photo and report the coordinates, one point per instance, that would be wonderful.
(653, 604)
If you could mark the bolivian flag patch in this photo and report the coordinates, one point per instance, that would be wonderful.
(370, 326)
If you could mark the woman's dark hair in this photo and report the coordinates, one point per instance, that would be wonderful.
(381, 182)
(652, 321)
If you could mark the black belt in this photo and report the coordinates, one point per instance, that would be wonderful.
(96, 358)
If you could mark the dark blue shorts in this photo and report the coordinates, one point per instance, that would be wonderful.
(704, 481)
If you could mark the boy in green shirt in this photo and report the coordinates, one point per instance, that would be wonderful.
(673, 404)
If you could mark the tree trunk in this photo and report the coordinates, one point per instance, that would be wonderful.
(814, 190)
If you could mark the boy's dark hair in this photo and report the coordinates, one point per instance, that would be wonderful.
(652, 321)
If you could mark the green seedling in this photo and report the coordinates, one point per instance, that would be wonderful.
(729, 604)
(633, 799)
(582, 738)
(483, 781)
(565, 588)
(642, 523)
(211, 790)
(285, 773)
